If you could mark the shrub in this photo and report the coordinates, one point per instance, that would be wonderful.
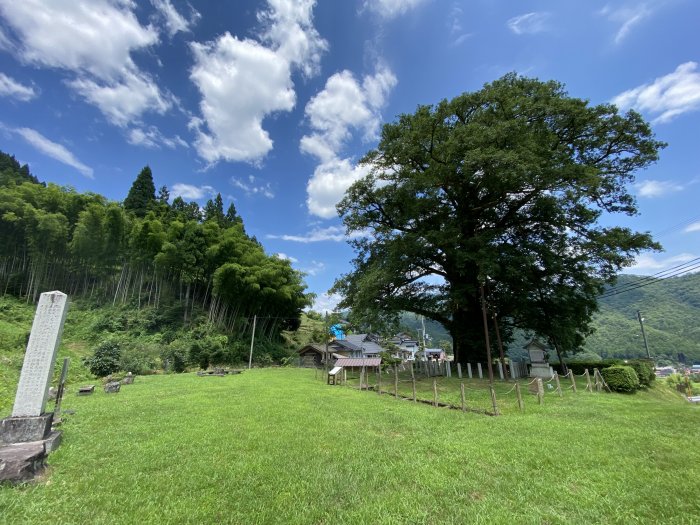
(141, 360)
(105, 359)
(621, 378)
(645, 371)
(580, 366)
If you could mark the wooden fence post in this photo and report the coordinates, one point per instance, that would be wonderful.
(556, 380)
(588, 381)
(521, 406)
(396, 382)
(461, 393)
(413, 380)
(573, 380)
(493, 401)
(598, 385)
(540, 391)
(435, 393)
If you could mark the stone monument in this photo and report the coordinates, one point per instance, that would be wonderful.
(538, 358)
(28, 429)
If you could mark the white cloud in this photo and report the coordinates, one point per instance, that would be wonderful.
(289, 31)
(331, 233)
(529, 23)
(286, 257)
(627, 17)
(93, 39)
(244, 81)
(189, 191)
(174, 21)
(326, 303)
(695, 227)
(388, 9)
(124, 100)
(9, 87)
(151, 137)
(315, 268)
(648, 264)
(656, 188)
(328, 184)
(252, 188)
(343, 106)
(666, 97)
(54, 150)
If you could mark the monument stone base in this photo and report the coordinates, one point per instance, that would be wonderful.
(541, 370)
(23, 429)
(22, 461)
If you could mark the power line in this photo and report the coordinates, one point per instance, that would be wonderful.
(637, 285)
(653, 277)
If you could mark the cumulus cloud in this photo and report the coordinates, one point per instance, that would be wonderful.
(314, 268)
(326, 303)
(656, 188)
(242, 81)
(286, 257)
(666, 97)
(189, 191)
(174, 21)
(389, 9)
(9, 87)
(528, 23)
(332, 233)
(94, 40)
(53, 149)
(695, 227)
(251, 187)
(647, 264)
(627, 17)
(152, 138)
(344, 106)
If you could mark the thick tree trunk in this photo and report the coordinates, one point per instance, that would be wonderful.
(467, 331)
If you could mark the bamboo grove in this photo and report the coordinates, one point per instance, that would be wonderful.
(144, 252)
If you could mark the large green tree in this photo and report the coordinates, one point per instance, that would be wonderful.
(504, 187)
(142, 194)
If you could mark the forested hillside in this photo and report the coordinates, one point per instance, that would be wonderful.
(172, 260)
(671, 312)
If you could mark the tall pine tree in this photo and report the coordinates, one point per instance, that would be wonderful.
(142, 195)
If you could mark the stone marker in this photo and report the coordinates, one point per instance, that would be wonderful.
(33, 387)
(27, 433)
(86, 390)
(128, 379)
(112, 387)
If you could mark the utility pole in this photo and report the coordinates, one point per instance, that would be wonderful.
(644, 335)
(486, 333)
(252, 340)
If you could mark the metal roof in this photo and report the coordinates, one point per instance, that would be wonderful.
(352, 361)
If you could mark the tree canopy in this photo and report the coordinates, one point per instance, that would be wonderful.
(504, 187)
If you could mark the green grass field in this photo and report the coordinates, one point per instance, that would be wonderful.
(279, 446)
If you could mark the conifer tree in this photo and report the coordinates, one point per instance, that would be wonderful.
(142, 195)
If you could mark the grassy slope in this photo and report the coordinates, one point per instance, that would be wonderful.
(278, 446)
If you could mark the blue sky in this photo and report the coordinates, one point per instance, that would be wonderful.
(271, 103)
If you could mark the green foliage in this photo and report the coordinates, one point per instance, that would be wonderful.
(144, 253)
(644, 369)
(621, 378)
(505, 185)
(105, 359)
(142, 194)
(670, 307)
(580, 366)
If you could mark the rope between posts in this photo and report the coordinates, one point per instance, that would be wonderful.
(509, 391)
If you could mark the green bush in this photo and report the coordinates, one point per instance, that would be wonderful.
(140, 360)
(105, 359)
(645, 371)
(621, 378)
(580, 366)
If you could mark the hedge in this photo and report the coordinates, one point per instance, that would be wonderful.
(580, 366)
(621, 378)
(644, 369)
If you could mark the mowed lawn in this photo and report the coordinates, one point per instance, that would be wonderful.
(278, 446)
